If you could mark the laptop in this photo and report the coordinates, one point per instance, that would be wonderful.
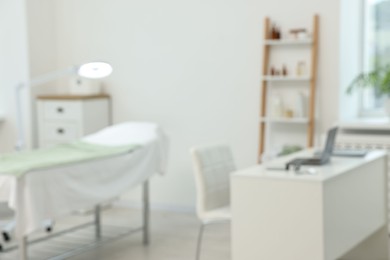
(319, 159)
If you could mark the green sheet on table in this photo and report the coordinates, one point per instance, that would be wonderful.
(17, 164)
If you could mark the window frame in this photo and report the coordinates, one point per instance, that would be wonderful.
(362, 111)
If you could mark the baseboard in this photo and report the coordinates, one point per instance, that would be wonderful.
(153, 206)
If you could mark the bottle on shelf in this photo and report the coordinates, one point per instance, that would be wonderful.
(275, 33)
(300, 105)
(301, 68)
(284, 70)
(273, 71)
(277, 106)
(278, 33)
(288, 113)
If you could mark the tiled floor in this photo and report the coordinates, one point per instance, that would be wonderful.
(173, 237)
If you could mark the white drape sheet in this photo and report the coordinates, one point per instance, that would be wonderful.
(54, 192)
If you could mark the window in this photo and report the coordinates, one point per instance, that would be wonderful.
(376, 48)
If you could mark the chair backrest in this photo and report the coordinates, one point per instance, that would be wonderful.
(212, 168)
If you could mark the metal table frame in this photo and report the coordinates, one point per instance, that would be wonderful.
(22, 240)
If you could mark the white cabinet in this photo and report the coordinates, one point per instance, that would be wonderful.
(66, 118)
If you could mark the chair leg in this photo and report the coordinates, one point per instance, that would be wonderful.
(199, 244)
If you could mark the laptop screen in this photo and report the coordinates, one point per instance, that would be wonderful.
(330, 140)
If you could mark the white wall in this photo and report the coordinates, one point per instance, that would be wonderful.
(13, 67)
(192, 66)
(351, 54)
(42, 31)
(27, 47)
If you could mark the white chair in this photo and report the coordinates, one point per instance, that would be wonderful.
(212, 168)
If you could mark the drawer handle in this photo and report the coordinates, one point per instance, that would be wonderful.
(60, 131)
(60, 110)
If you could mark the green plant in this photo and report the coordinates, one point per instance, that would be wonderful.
(289, 149)
(378, 79)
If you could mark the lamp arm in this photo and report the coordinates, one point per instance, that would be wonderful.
(20, 142)
(93, 72)
(52, 76)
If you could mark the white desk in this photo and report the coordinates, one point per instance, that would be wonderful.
(337, 213)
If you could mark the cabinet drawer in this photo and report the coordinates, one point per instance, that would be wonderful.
(61, 132)
(62, 110)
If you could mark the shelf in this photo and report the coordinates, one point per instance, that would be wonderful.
(294, 120)
(375, 124)
(282, 47)
(287, 42)
(285, 78)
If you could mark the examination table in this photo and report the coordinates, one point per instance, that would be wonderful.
(53, 190)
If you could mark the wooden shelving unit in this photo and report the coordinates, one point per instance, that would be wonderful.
(295, 120)
(288, 42)
(268, 45)
(281, 78)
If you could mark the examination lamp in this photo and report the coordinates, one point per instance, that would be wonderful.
(91, 70)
